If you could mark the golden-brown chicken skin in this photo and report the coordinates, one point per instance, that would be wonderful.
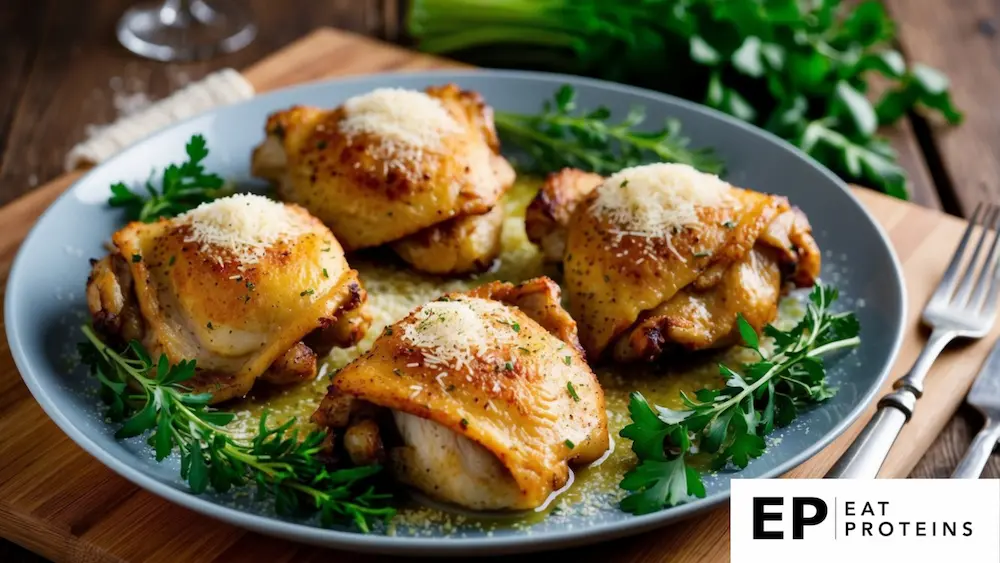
(465, 244)
(662, 256)
(547, 217)
(390, 164)
(240, 309)
(486, 394)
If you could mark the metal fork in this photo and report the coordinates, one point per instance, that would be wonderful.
(963, 305)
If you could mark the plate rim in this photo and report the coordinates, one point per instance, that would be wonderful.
(407, 545)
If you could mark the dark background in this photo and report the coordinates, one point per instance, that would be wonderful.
(62, 71)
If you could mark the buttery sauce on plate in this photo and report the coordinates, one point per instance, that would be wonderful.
(393, 291)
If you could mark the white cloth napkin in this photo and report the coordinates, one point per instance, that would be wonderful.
(219, 88)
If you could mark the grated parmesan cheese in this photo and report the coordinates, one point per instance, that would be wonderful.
(652, 200)
(243, 226)
(406, 122)
(453, 333)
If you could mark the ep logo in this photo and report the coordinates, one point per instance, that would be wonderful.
(837, 520)
(802, 511)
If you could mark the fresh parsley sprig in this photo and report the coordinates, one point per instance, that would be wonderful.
(730, 423)
(560, 136)
(182, 188)
(146, 396)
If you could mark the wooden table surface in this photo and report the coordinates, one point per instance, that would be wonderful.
(64, 74)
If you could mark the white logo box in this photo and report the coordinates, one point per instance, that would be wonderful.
(891, 521)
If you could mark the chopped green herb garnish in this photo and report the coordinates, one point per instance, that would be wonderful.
(572, 391)
(569, 444)
(136, 258)
(309, 291)
(568, 360)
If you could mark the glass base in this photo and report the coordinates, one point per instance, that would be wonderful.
(186, 31)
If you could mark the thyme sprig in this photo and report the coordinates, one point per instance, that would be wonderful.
(150, 397)
(560, 137)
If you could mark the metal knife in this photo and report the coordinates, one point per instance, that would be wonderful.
(985, 396)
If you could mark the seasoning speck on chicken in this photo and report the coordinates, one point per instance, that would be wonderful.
(189, 297)
(663, 257)
(242, 226)
(492, 437)
(454, 333)
(421, 171)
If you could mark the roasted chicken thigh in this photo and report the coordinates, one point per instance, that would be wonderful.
(663, 256)
(250, 288)
(421, 170)
(482, 399)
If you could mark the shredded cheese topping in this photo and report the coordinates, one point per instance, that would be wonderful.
(454, 333)
(242, 226)
(407, 122)
(653, 200)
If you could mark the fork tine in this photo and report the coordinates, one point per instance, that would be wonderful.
(962, 295)
(947, 284)
(988, 275)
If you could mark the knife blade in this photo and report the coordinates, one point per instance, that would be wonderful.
(985, 392)
(985, 397)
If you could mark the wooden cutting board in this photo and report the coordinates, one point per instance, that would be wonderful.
(60, 502)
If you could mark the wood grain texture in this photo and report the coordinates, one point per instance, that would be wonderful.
(64, 72)
(61, 503)
(960, 38)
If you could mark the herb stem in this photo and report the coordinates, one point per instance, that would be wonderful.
(278, 462)
(563, 137)
(827, 348)
(731, 423)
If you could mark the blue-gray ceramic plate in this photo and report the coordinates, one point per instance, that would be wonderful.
(45, 298)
